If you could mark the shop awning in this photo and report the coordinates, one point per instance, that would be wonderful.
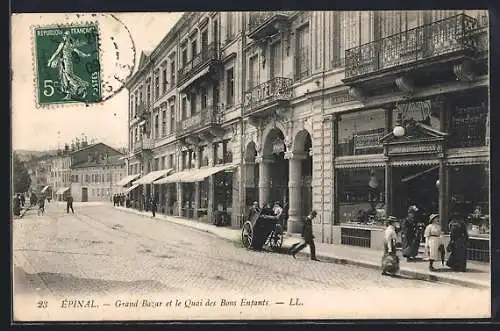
(62, 190)
(173, 178)
(195, 175)
(44, 189)
(418, 174)
(127, 180)
(152, 176)
(131, 188)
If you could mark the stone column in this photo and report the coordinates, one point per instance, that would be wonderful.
(294, 223)
(179, 198)
(388, 190)
(168, 196)
(443, 213)
(196, 199)
(264, 177)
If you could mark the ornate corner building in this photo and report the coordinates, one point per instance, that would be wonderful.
(353, 114)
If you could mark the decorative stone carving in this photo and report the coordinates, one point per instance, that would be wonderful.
(405, 85)
(356, 93)
(464, 71)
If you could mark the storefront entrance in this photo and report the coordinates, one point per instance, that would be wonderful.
(415, 185)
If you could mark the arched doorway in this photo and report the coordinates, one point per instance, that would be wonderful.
(251, 175)
(273, 169)
(300, 183)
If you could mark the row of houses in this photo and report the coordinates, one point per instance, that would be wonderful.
(89, 173)
(356, 115)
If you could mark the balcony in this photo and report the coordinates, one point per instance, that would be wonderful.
(267, 95)
(267, 23)
(447, 39)
(145, 144)
(206, 121)
(199, 66)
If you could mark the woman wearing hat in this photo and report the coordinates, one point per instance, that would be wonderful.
(390, 261)
(432, 235)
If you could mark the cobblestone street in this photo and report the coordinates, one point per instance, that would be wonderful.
(100, 251)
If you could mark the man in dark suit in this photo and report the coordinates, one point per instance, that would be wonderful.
(69, 204)
(153, 205)
(307, 238)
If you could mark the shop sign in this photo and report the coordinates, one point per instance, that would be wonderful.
(339, 98)
(278, 146)
(367, 141)
(414, 149)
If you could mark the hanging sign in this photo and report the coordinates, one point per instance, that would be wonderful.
(278, 146)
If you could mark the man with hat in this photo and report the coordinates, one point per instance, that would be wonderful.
(307, 238)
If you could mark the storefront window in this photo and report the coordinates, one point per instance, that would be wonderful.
(361, 195)
(426, 112)
(224, 191)
(469, 195)
(359, 133)
(204, 187)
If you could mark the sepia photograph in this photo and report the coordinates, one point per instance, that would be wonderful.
(250, 165)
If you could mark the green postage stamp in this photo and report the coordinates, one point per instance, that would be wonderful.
(67, 64)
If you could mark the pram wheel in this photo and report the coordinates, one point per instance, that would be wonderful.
(276, 238)
(247, 234)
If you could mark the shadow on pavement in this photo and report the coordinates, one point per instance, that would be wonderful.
(68, 284)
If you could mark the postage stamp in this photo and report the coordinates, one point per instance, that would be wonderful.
(68, 66)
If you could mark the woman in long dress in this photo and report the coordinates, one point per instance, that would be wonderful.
(458, 246)
(390, 261)
(432, 235)
(410, 240)
(71, 84)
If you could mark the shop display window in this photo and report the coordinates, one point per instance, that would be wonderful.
(468, 126)
(469, 195)
(361, 195)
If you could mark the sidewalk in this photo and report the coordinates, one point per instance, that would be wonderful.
(477, 275)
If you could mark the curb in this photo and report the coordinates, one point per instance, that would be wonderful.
(344, 261)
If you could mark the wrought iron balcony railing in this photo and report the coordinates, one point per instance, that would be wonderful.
(205, 118)
(210, 53)
(258, 19)
(143, 144)
(447, 36)
(278, 88)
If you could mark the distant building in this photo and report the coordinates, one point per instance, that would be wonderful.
(96, 179)
(87, 173)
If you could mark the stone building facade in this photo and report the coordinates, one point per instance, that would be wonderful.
(233, 107)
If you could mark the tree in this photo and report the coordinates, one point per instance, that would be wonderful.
(21, 177)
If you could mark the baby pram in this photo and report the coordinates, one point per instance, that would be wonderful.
(263, 229)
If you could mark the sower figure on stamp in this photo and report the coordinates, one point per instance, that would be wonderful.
(69, 204)
(71, 85)
(307, 238)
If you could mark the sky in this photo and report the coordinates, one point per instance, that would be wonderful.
(46, 129)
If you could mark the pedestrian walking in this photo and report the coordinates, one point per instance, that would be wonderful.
(410, 235)
(307, 238)
(432, 237)
(41, 205)
(23, 199)
(69, 204)
(390, 261)
(153, 205)
(458, 245)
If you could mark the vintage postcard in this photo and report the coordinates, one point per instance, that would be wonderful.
(250, 165)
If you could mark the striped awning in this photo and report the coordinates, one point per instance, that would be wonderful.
(62, 190)
(193, 175)
(131, 188)
(152, 176)
(127, 180)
